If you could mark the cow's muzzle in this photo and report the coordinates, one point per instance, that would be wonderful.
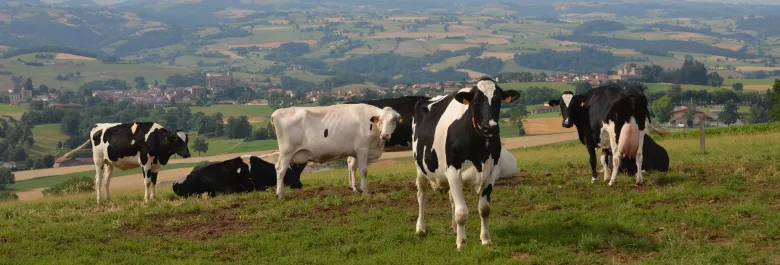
(567, 124)
(384, 136)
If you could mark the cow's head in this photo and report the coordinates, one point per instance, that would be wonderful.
(179, 144)
(187, 186)
(386, 121)
(572, 106)
(484, 101)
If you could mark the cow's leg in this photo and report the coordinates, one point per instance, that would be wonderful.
(153, 178)
(98, 178)
(362, 164)
(352, 168)
(108, 170)
(639, 158)
(606, 154)
(616, 155)
(147, 183)
(281, 170)
(454, 225)
(484, 213)
(592, 153)
(422, 187)
(461, 210)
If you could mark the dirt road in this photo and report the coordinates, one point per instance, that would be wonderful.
(135, 181)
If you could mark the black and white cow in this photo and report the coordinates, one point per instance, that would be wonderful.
(241, 174)
(454, 135)
(655, 158)
(131, 145)
(623, 131)
(590, 111)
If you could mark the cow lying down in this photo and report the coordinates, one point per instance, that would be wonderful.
(241, 174)
(655, 158)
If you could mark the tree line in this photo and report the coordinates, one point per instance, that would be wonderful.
(586, 60)
(662, 46)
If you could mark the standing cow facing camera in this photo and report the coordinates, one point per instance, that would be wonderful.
(457, 146)
(323, 134)
(131, 145)
(593, 111)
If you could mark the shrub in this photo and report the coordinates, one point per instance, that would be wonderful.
(74, 185)
(8, 196)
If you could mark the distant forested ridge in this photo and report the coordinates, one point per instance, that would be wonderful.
(656, 45)
(598, 26)
(586, 60)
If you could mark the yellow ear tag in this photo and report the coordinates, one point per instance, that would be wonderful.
(465, 101)
(582, 104)
(400, 120)
(508, 100)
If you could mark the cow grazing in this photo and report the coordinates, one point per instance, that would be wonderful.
(131, 145)
(623, 132)
(451, 135)
(588, 112)
(322, 134)
(656, 158)
(241, 174)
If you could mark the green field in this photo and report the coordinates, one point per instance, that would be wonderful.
(46, 137)
(720, 208)
(666, 86)
(766, 81)
(12, 110)
(220, 147)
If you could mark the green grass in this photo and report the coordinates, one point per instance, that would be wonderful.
(12, 110)
(766, 81)
(666, 86)
(720, 208)
(49, 181)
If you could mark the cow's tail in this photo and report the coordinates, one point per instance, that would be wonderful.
(69, 154)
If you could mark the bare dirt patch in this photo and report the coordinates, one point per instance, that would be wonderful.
(472, 74)
(334, 19)
(758, 87)
(232, 55)
(545, 126)
(756, 68)
(730, 46)
(279, 22)
(200, 226)
(499, 55)
(67, 56)
(488, 40)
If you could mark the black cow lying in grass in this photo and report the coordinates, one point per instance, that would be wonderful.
(240, 174)
(655, 158)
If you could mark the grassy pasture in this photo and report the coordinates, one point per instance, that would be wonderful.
(720, 208)
(12, 110)
(46, 137)
(554, 85)
(251, 111)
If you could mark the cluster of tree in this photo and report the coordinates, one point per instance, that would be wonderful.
(238, 128)
(108, 84)
(344, 47)
(201, 63)
(388, 66)
(192, 79)
(243, 51)
(663, 46)
(264, 133)
(227, 32)
(766, 25)
(68, 76)
(44, 56)
(40, 30)
(586, 60)
(761, 74)
(692, 72)
(490, 65)
(519, 77)
(598, 26)
(212, 54)
(289, 49)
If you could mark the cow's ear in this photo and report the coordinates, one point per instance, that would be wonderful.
(511, 95)
(374, 119)
(553, 103)
(463, 97)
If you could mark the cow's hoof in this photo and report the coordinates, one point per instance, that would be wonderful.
(611, 184)
(422, 232)
(593, 180)
(461, 246)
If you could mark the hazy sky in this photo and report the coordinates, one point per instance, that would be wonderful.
(766, 2)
